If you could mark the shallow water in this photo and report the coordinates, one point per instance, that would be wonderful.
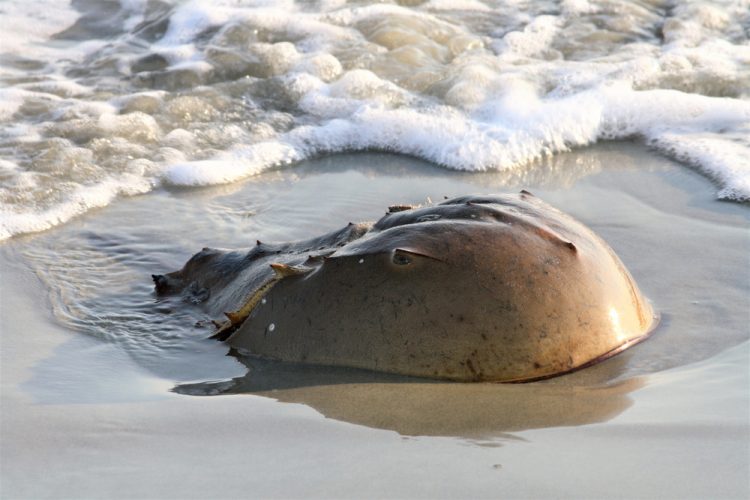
(105, 383)
(102, 100)
(97, 269)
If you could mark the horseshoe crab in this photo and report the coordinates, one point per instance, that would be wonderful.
(477, 288)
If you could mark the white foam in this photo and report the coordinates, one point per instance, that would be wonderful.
(136, 9)
(577, 7)
(457, 5)
(233, 165)
(190, 20)
(354, 15)
(432, 80)
(10, 100)
(193, 18)
(503, 133)
(61, 87)
(535, 38)
(724, 160)
(83, 199)
(7, 167)
(322, 66)
(27, 25)
(180, 138)
(136, 126)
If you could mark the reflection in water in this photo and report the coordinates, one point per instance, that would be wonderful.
(413, 406)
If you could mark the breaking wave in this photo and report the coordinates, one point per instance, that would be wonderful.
(114, 100)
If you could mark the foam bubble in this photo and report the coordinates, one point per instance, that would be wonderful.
(535, 38)
(27, 25)
(207, 92)
(60, 87)
(135, 126)
(323, 66)
(190, 20)
(10, 100)
(503, 133)
(233, 165)
(724, 160)
(457, 5)
(80, 201)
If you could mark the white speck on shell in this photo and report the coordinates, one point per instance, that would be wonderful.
(271, 327)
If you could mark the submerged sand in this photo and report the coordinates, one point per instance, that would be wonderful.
(90, 414)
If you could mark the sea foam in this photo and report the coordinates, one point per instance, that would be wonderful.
(96, 106)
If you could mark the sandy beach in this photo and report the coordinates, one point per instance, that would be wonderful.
(134, 133)
(92, 412)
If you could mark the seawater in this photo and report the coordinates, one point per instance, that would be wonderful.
(100, 100)
(686, 251)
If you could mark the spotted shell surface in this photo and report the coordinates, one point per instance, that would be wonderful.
(478, 288)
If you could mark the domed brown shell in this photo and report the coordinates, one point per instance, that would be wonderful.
(477, 288)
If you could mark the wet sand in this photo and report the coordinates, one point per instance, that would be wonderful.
(91, 412)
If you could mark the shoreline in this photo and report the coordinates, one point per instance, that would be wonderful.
(83, 416)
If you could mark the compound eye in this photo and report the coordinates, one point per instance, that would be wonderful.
(401, 258)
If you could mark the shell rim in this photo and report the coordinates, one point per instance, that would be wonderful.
(603, 357)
